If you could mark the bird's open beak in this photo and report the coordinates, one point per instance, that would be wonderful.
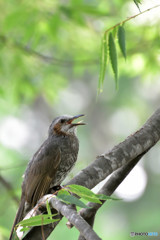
(78, 123)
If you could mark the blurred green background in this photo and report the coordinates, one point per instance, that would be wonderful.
(49, 66)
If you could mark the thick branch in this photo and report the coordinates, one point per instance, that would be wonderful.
(108, 188)
(135, 145)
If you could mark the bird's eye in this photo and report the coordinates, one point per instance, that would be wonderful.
(62, 121)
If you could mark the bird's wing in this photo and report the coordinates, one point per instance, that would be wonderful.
(41, 172)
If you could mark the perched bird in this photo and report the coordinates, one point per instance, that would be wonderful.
(50, 164)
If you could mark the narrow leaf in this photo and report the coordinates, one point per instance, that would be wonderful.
(38, 220)
(72, 200)
(48, 209)
(137, 2)
(121, 40)
(24, 229)
(113, 56)
(105, 197)
(103, 62)
(114, 32)
(84, 193)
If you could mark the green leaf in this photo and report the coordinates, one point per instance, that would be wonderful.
(114, 32)
(48, 209)
(103, 62)
(38, 220)
(137, 2)
(72, 200)
(105, 197)
(63, 192)
(24, 229)
(113, 57)
(121, 40)
(84, 193)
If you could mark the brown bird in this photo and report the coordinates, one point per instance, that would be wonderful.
(50, 164)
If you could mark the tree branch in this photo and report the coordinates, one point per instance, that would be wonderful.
(67, 210)
(108, 188)
(46, 58)
(71, 214)
(132, 17)
(135, 145)
(9, 188)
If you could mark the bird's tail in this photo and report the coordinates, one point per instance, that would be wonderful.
(19, 216)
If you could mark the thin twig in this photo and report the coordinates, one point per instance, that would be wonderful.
(71, 214)
(42, 230)
(129, 18)
(9, 188)
(47, 59)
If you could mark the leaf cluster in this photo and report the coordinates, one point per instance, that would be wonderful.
(109, 53)
(66, 196)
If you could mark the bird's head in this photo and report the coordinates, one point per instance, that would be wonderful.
(64, 125)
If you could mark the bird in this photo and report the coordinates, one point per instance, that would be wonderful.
(50, 164)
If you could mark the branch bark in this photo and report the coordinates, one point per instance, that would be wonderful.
(108, 188)
(124, 157)
(71, 214)
(121, 154)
